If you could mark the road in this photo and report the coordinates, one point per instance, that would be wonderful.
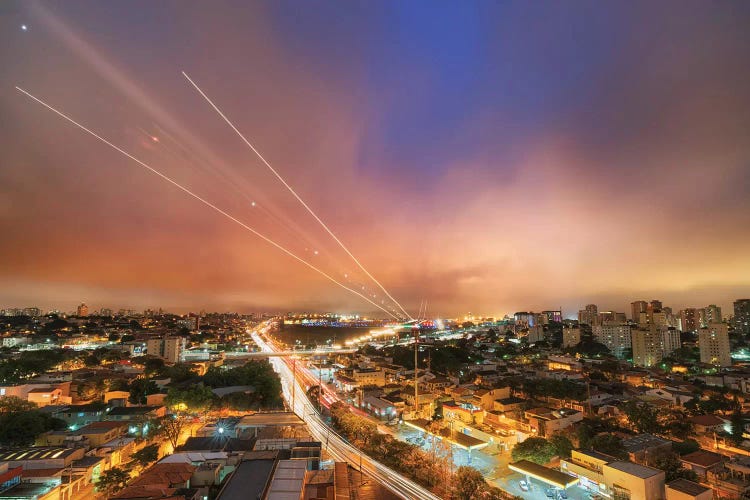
(336, 445)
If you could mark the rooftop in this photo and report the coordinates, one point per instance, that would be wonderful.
(544, 474)
(271, 418)
(249, 480)
(35, 453)
(706, 420)
(703, 458)
(636, 470)
(642, 442)
(132, 410)
(597, 455)
(688, 487)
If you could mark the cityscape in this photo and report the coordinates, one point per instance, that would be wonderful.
(384, 250)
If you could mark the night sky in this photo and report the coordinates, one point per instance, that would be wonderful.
(482, 156)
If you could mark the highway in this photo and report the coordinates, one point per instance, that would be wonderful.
(336, 445)
(281, 354)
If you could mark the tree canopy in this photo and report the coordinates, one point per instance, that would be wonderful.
(534, 449)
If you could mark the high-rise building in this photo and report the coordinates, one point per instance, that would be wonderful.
(656, 305)
(646, 346)
(653, 342)
(636, 308)
(615, 336)
(550, 316)
(33, 312)
(607, 316)
(589, 315)
(654, 317)
(83, 310)
(173, 348)
(571, 337)
(713, 314)
(688, 320)
(742, 316)
(524, 320)
(700, 317)
(170, 349)
(670, 340)
(713, 342)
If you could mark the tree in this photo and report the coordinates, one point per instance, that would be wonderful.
(179, 372)
(171, 428)
(609, 444)
(644, 418)
(14, 404)
(139, 389)
(153, 365)
(112, 481)
(737, 427)
(585, 433)
(196, 398)
(673, 468)
(468, 484)
(146, 455)
(679, 426)
(562, 445)
(20, 428)
(685, 447)
(91, 360)
(258, 374)
(534, 449)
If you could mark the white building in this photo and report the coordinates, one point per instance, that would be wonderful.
(713, 342)
(615, 336)
(670, 340)
(170, 349)
(646, 346)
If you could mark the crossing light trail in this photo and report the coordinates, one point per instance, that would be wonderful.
(294, 193)
(205, 202)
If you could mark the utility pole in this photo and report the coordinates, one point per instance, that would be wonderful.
(320, 388)
(416, 372)
(294, 382)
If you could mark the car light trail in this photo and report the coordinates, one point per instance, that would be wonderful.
(294, 193)
(336, 445)
(205, 202)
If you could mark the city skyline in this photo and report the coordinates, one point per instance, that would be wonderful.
(468, 160)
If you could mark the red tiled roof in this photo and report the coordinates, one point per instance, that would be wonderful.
(10, 474)
(42, 472)
(706, 420)
(704, 458)
(146, 492)
(166, 475)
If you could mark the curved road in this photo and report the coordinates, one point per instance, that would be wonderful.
(336, 445)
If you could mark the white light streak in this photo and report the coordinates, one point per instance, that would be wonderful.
(202, 200)
(294, 193)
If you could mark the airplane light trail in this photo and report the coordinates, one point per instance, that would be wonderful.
(294, 193)
(204, 201)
